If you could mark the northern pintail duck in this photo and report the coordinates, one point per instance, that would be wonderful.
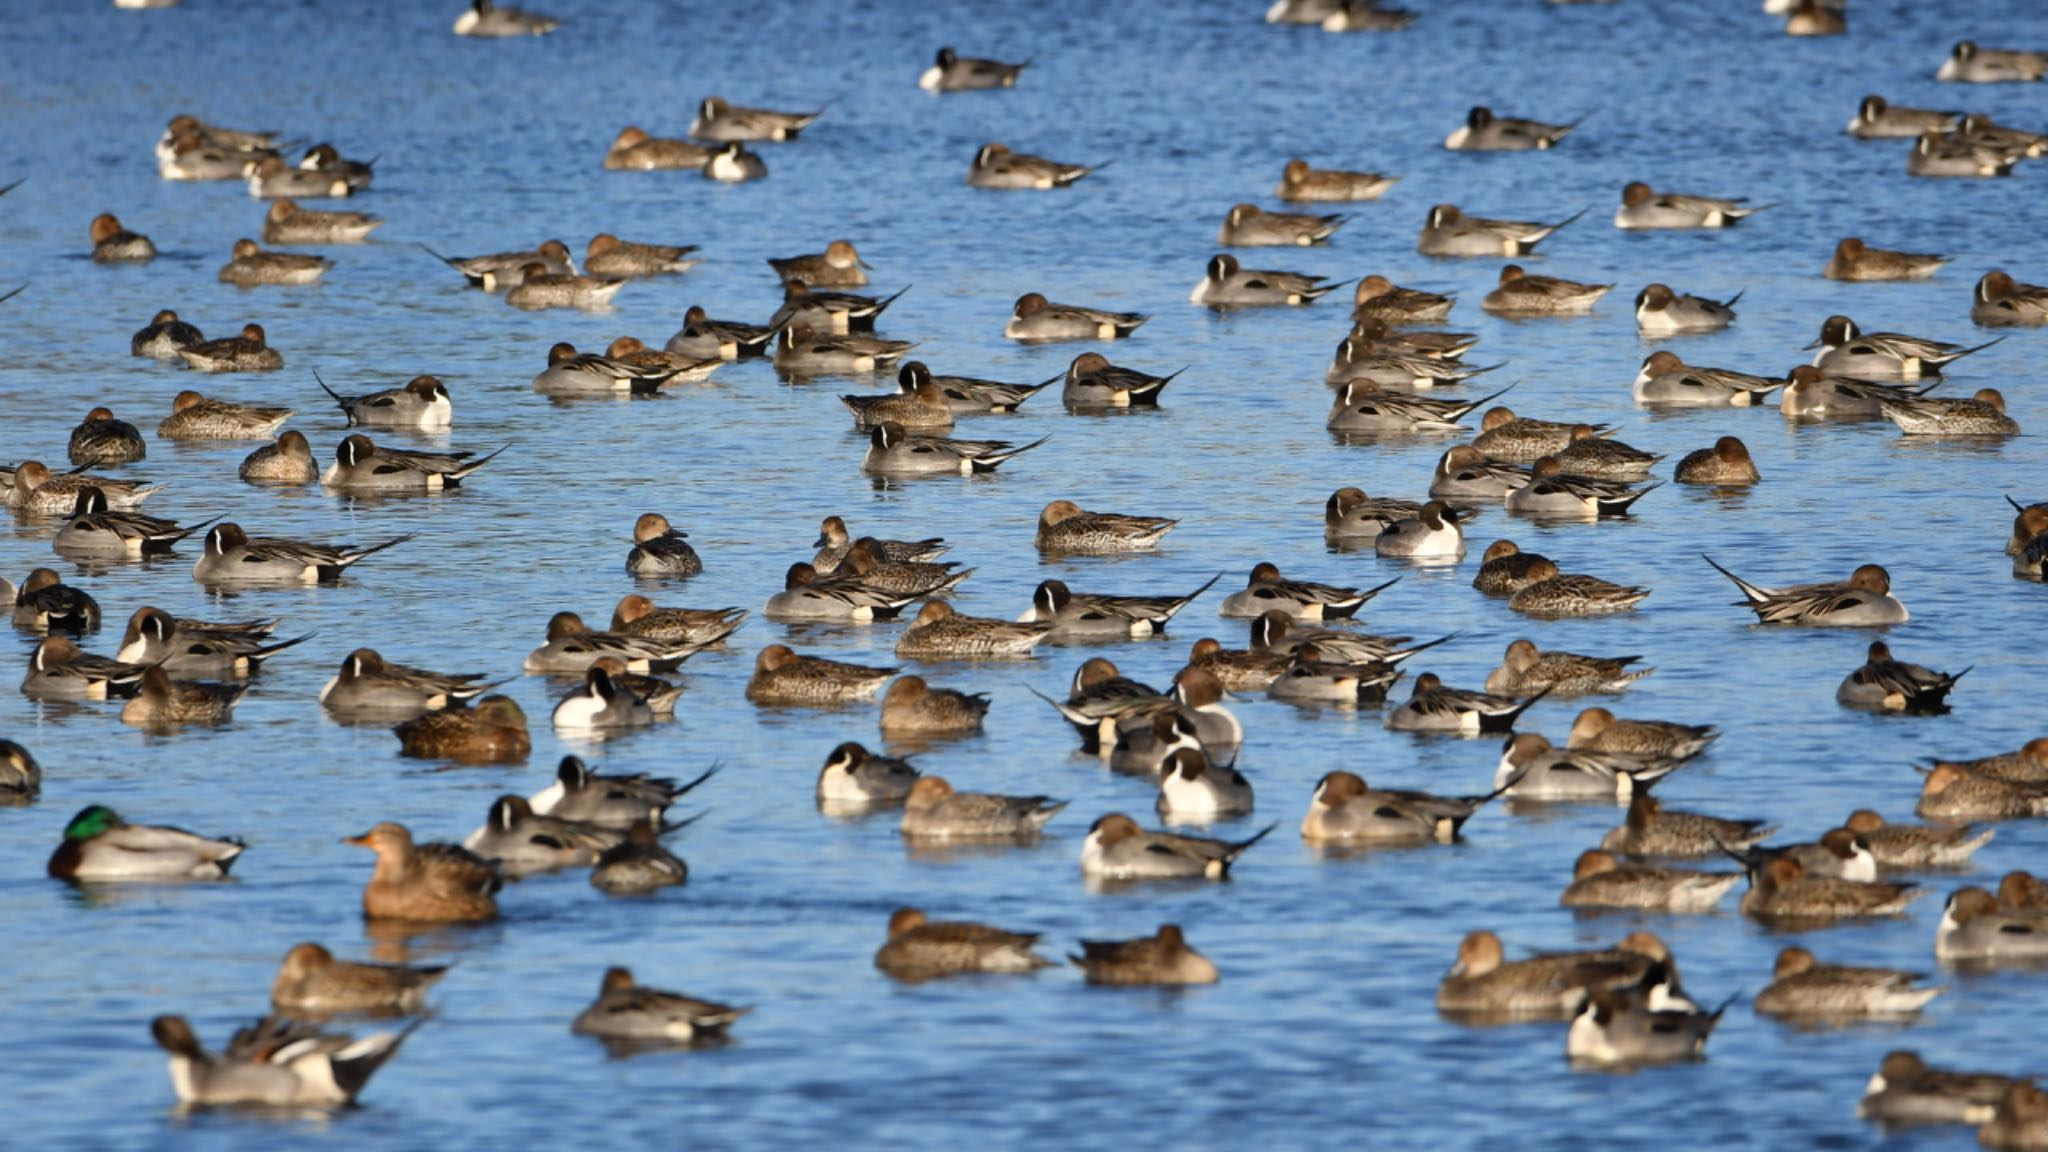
(100, 846)
(1878, 119)
(57, 670)
(734, 164)
(1907, 1091)
(1803, 987)
(21, 778)
(2020, 891)
(422, 403)
(1304, 676)
(274, 1064)
(725, 123)
(1195, 789)
(1434, 707)
(1343, 811)
(920, 949)
(233, 557)
(163, 337)
(1864, 600)
(610, 801)
(1432, 534)
(609, 257)
(1916, 845)
(837, 313)
(1095, 615)
(1592, 452)
(2000, 300)
(1366, 16)
(1147, 742)
(572, 646)
(1505, 569)
(573, 373)
(1266, 590)
(1227, 284)
(783, 677)
(1100, 698)
(1855, 260)
(892, 451)
(114, 244)
(502, 270)
(1521, 294)
(1983, 131)
(197, 648)
(952, 72)
(2019, 1122)
(800, 350)
(1378, 298)
(539, 289)
(1847, 350)
(1662, 312)
(1783, 891)
(834, 542)
(855, 780)
(44, 603)
(725, 339)
(248, 351)
(311, 982)
(1092, 383)
(1308, 12)
(1449, 232)
(1351, 515)
(160, 702)
(1116, 849)
(1887, 685)
(35, 492)
(288, 460)
(2029, 544)
(1304, 184)
(611, 697)
(188, 154)
(842, 596)
(1981, 414)
(518, 841)
(934, 811)
(368, 686)
(1552, 492)
(198, 417)
(328, 161)
(635, 151)
(1035, 319)
(272, 179)
(940, 633)
(867, 561)
(1526, 670)
(660, 550)
(838, 266)
(492, 732)
(220, 135)
(1839, 854)
(1601, 880)
(486, 19)
(2026, 765)
(971, 396)
(1653, 830)
(1628, 1027)
(287, 223)
(920, 405)
(1953, 156)
(1531, 769)
(427, 883)
(1485, 132)
(1598, 730)
(1509, 438)
(1434, 345)
(630, 1011)
(1065, 529)
(1811, 394)
(1969, 64)
(362, 466)
(1642, 207)
(1249, 226)
(995, 166)
(1953, 793)
(1366, 361)
(1975, 929)
(1164, 958)
(912, 707)
(1546, 986)
(1726, 465)
(639, 864)
(1555, 595)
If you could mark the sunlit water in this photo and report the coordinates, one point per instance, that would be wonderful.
(1322, 1030)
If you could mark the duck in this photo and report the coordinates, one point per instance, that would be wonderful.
(518, 841)
(99, 846)
(913, 707)
(195, 416)
(838, 266)
(1883, 684)
(1907, 1091)
(422, 403)
(800, 351)
(433, 882)
(1802, 987)
(1344, 811)
(833, 313)
(1276, 631)
(1598, 730)
(1064, 528)
(1847, 350)
(783, 677)
(1520, 293)
(660, 550)
(1642, 207)
(164, 336)
(1531, 769)
(288, 224)
(1485, 132)
(610, 800)
(1625, 1027)
(940, 633)
(1379, 298)
(573, 373)
(1432, 534)
(1427, 344)
(1974, 929)
(609, 257)
(57, 670)
(835, 542)
(1811, 394)
(921, 406)
(1653, 830)
(1034, 319)
(1117, 849)
(493, 731)
(1526, 670)
(996, 166)
(1954, 793)
(610, 697)
(362, 466)
(232, 557)
(2019, 891)
(842, 596)
(1727, 464)
(1600, 880)
(1092, 383)
(573, 646)
(1783, 891)
(867, 563)
(734, 164)
(1465, 474)
(855, 779)
(2001, 301)
(1595, 454)
(1840, 854)
(1980, 129)
(1366, 16)
(1969, 64)
(160, 702)
(44, 603)
(1552, 492)
(96, 531)
(1864, 600)
(629, 1011)
(1306, 677)
(1193, 789)
(326, 160)
(270, 178)
(952, 72)
(1953, 156)
(367, 686)
(934, 811)
(633, 150)
(2027, 765)
(486, 19)
(249, 351)
(499, 271)
(1227, 284)
(2020, 1121)
(198, 648)
(919, 948)
(1100, 698)
(1249, 226)
(1350, 515)
(1449, 232)
(1878, 119)
(21, 778)
(311, 982)
(1433, 707)
(288, 460)
(1164, 958)
(1546, 986)
(1100, 616)
(1359, 360)
(726, 123)
(114, 244)
(1907, 846)
(1302, 183)
(1507, 437)
(1982, 414)
(274, 1064)
(1555, 595)
(1662, 312)
(1855, 260)
(1267, 590)
(639, 864)
(540, 289)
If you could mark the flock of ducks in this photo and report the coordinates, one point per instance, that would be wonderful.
(1623, 1005)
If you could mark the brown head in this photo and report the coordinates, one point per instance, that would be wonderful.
(1941, 779)
(601, 243)
(183, 401)
(292, 442)
(1871, 578)
(928, 792)
(1463, 456)
(1850, 249)
(566, 626)
(624, 346)
(905, 920)
(554, 250)
(2017, 889)
(1170, 939)
(1793, 962)
(105, 227)
(1637, 193)
(1479, 953)
(1524, 747)
(1542, 568)
(1336, 788)
(1902, 1067)
(1594, 863)
(533, 271)
(1501, 550)
(1521, 655)
(174, 1035)
(561, 352)
(1058, 512)
(1656, 297)
(1029, 304)
(633, 606)
(629, 137)
(1435, 514)
(1187, 763)
(1780, 872)
(1995, 285)
(1512, 273)
(798, 576)
(302, 961)
(1197, 687)
(1863, 821)
(1296, 172)
(1590, 724)
(1372, 288)
(1646, 944)
(388, 840)
(246, 248)
(933, 612)
(1205, 648)
(1445, 216)
(1546, 467)
(905, 690)
(1096, 670)
(774, 658)
(1087, 364)
(650, 526)
(1966, 904)
(1991, 397)
(1113, 829)
(1426, 683)
(1341, 502)
(1643, 810)
(616, 980)
(1843, 843)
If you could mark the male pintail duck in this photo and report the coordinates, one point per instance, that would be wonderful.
(1653, 830)
(197, 648)
(834, 542)
(1802, 987)
(1847, 350)
(539, 289)
(1555, 595)
(1982, 130)
(1351, 515)
(2003, 301)
(1953, 156)
(1433, 345)
(1194, 789)
(1783, 891)
(940, 633)
(1552, 492)
(911, 707)
(1227, 284)
(195, 416)
(934, 811)
(270, 178)
(1449, 232)
(639, 864)
(1726, 465)
(287, 460)
(368, 686)
(1065, 529)
(1432, 534)
(783, 677)
(1855, 260)
(97, 531)
(432, 882)
(1304, 184)
(288, 224)
(610, 801)
(518, 841)
(491, 732)
(1955, 794)
(1526, 670)
(611, 697)
(1883, 684)
(1839, 854)
(836, 313)
(57, 670)
(734, 164)
(892, 451)
(114, 244)
(573, 646)
(1276, 631)
(972, 396)
(1093, 383)
(1522, 294)
(162, 703)
(327, 160)
(801, 351)
(1906, 1091)
(100, 846)
(311, 982)
(1662, 312)
(1146, 741)
(660, 550)
(1975, 929)
(1598, 730)
(1878, 119)
(1035, 319)
(920, 949)
(1343, 810)
(635, 151)
(725, 123)
(1306, 677)
(573, 373)
(502, 270)
(1600, 880)
(1466, 474)
(233, 557)
(1485, 132)
(21, 778)
(1982, 414)
(1378, 298)
(1097, 616)
(630, 1011)
(952, 72)
(361, 466)
(1267, 590)
(1378, 363)
(1969, 64)
(421, 403)
(274, 1064)
(249, 351)
(190, 155)
(855, 780)
(1811, 394)
(1249, 226)
(1626, 1027)
(842, 596)
(1164, 958)
(44, 603)
(1907, 846)
(1531, 769)
(1864, 600)
(838, 266)
(164, 336)
(1642, 207)
(1117, 849)
(995, 166)
(1547, 986)
(1100, 698)
(486, 19)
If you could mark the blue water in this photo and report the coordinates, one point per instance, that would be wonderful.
(1322, 1030)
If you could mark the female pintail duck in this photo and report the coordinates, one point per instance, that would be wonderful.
(1645, 208)
(1064, 528)
(1267, 590)
(369, 686)
(1378, 298)
(1953, 156)
(100, 846)
(1117, 849)
(195, 416)
(1526, 670)
(1249, 226)
(952, 72)
(272, 179)
(518, 841)
(629, 1011)
(1465, 473)
(1552, 491)
(635, 151)
(1351, 515)
(540, 289)
(1983, 131)
(1343, 810)
(1627, 1027)
(1505, 569)
(1803, 987)
(639, 864)
(636, 615)
(2027, 765)
(1301, 183)
(734, 164)
(1982, 414)
(934, 811)
(1449, 232)
(1594, 453)
(1955, 794)
(1093, 383)
(1847, 350)
(1432, 534)
(573, 646)
(972, 396)
(1906, 1091)
(838, 266)
(1662, 312)
(610, 697)
(2019, 891)
(2001, 301)
(288, 224)
(233, 557)
(1546, 986)
(1276, 631)
(1555, 595)
(1600, 880)
(249, 351)
(1598, 730)
(1485, 132)
(725, 123)
(687, 369)
(1974, 929)
(800, 350)
(1035, 319)
(273, 1065)
(834, 542)
(1883, 684)
(911, 707)
(1653, 830)
(1433, 345)
(57, 670)
(920, 949)
(311, 982)
(855, 779)
(892, 451)
(1522, 294)
(21, 778)
(1855, 260)
(164, 336)
(1366, 361)
(36, 492)
(867, 562)
(432, 882)
(783, 677)
(1193, 789)
(1969, 64)
(995, 166)
(940, 633)
(610, 801)
(1509, 438)
(609, 257)
(360, 465)
(2019, 1122)
(841, 596)
(1878, 119)
(1164, 958)
(920, 406)
(1783, 891)
(836, 313)
(114, 244)
(44, 603)
(1094, 615)
(1307, 677)
(660, 550)
(502, 270)
(1864, 600)
(1531, 769)
(160, 702)
(1227, 284)
(486, 19)
(573, 373)
(1726, 465)
(422, 403)
(288, 460)
(491, 732)
(1905, 846)
(1811, 394)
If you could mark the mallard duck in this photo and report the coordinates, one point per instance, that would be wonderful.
(99, 845)
(426, 882)
(493, 732)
